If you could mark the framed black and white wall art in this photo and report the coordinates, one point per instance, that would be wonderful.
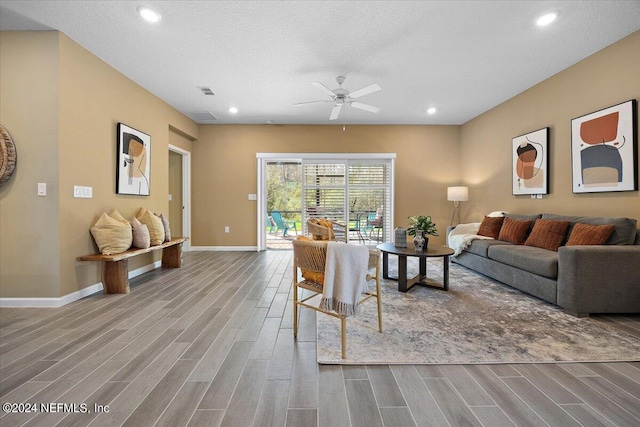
(134, 162)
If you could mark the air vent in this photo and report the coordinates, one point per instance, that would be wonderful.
(206, 90)
(206, 116)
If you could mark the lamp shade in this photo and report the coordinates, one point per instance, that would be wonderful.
(457, 194)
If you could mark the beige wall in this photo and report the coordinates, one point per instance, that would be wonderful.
(224, 171)
(29, 258)
(89, 99)
(609, 77)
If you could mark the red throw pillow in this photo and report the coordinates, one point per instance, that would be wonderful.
(514, 230)
(491, 226)
(548, 234)
(590, 234)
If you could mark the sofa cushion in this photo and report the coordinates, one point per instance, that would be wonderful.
(590, 234)
(548, 234)
(481, 246)
(624, 234)
(528, 258)
(514, 231)
(521, 217)
(491, 226)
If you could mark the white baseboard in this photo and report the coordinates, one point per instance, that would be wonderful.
(225, 248)
(74, 296)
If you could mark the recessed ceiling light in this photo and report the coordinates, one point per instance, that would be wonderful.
(233, 110)
(149, 14)
(432, 110)
(546, 19)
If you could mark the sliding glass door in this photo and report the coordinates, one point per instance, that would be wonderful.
(355, 190)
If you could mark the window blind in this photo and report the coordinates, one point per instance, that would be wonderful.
(353, 192)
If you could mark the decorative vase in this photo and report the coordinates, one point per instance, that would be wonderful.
(418, 240)
(400, 240)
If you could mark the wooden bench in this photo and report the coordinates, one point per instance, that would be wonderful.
(115, 268)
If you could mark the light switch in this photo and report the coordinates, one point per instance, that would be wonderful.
(253, 197)
(170, 197)
(82, 192)
(42, 189)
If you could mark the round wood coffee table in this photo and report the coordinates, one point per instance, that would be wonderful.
(405, 284)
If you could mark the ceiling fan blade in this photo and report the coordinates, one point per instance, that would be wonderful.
(365, 91)
(365, 107)
(297, 104)
(335, 112)
(323, 88)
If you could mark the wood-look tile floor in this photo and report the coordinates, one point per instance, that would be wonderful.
(211, 344)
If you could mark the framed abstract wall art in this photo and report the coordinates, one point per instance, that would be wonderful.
(604, 150)
(530, 153)
(134, 161)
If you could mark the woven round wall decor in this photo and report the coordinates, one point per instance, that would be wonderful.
(8, 156)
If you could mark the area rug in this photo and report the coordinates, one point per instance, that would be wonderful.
(477, 321)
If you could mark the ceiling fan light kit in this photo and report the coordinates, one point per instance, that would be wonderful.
(340, 97)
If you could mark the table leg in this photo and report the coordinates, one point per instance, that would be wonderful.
(385, 265)
(445, 273)
(402, 273)
(423, 267)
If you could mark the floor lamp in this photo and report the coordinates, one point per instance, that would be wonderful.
(457, 195)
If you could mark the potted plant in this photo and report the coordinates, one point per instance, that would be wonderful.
(421, 227)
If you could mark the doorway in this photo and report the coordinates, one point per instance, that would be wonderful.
(179, 192)
(284, 203)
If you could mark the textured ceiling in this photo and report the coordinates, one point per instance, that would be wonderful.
(463, 57)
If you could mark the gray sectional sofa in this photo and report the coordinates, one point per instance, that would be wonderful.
(580, 279)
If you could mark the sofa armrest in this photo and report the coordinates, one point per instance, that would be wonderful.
(599, 279)
(446, 236)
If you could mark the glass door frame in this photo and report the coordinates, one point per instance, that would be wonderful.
(263, 158)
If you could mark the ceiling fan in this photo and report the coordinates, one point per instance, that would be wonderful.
(341, 97)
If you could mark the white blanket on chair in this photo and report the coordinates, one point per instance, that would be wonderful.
(461, 237)
(345, 278)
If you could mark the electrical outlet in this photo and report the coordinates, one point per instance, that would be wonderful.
(226, 229)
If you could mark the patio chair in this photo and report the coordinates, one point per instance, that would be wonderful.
(310, 258)
(374, 224)
(355, 226)
(282, 224)
(336, 231)
(271, 224)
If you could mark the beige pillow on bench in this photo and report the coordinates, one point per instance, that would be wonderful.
(154, 224)
(111, 235)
